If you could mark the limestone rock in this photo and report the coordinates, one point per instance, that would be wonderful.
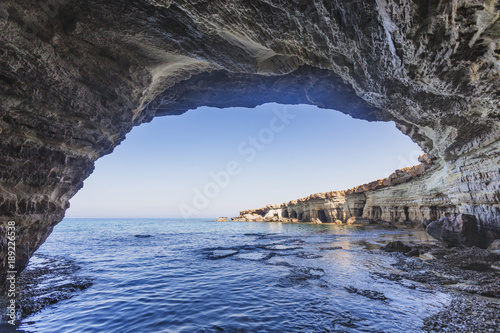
(76, 76)
(495, 245)
(221, 219)
(357, 221)
(474, 259)
(396, 246)
(340, 206)
(462, 229)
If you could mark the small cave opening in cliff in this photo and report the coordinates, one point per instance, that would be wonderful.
(376, 213)
(212, 162)
(322, 216)
(407, 213)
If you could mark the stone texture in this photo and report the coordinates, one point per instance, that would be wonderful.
(358, 205)
(495, 245)
(396, 246)
(77, 75)
(456, 230)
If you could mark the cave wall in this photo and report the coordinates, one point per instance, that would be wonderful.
(77, 75)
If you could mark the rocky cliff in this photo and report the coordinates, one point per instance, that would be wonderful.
(77, 75)
(375, 201)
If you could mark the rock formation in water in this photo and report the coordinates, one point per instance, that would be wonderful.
(77, 75)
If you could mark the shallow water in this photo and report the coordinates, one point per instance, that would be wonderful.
(200, 276)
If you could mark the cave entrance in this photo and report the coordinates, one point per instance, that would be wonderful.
(433, 213)
(377, 213)
(285, 213)
(322, 216)
(216, 162)
(407, 214)
(293, 215)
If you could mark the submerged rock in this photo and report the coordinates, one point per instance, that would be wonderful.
(495, 245)
(331, 248)
(48, 280)
(220, 253)
(372, 294)
(308, 255)
(300, 276)
(396, 246)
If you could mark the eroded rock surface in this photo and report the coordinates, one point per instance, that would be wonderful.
(457, 230)
(354, 206)
(77, 75)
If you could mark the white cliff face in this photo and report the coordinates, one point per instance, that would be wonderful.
(381, 200)
(413, 197)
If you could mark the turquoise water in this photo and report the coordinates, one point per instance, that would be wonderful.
(202, 276)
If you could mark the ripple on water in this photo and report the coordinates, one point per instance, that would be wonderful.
(200, 276)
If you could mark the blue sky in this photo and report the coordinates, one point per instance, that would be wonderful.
(214, 162)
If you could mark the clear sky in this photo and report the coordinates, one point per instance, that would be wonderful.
(215, 162)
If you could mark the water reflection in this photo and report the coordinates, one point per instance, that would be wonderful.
(199, 276)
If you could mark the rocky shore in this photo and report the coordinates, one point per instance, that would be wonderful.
(370, 204)
(46, 281)
(77, 76)
(471, 275)
(456, 266)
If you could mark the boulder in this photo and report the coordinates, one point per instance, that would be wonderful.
(455, 230)
(495, 245)
(357, 221)
(396, 246)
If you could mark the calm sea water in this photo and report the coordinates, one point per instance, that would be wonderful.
(201, 276)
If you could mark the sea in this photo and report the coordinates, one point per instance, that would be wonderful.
(197, 275)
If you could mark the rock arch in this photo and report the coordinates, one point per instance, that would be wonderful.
(76, 76)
